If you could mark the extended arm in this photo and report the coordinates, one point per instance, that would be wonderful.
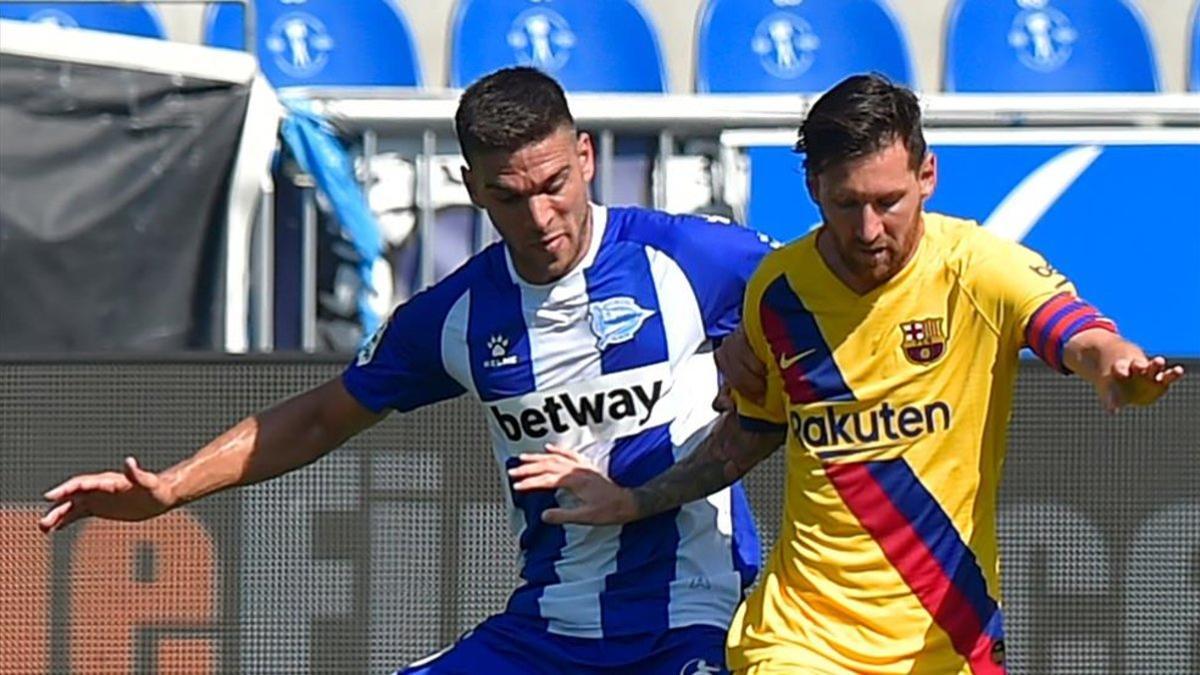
(1119, 370)
(283, 438)
(723, 457)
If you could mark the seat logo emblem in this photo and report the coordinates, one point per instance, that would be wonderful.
(300, 43)
(785, 44)
(541, 38)
(1041, 35)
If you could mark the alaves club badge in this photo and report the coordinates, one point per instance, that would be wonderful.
(924, 340)
(616, 320)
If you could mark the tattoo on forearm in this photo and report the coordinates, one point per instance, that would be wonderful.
(723, 457)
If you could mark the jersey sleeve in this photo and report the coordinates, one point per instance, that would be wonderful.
(400, 367)
(718, 257)
(771, 415)
(1036, 304)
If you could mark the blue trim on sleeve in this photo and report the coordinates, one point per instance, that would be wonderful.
(716, 256)
(757, 425)
(402, 368)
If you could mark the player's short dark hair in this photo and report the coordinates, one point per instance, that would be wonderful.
(861, 115)
(509, 109)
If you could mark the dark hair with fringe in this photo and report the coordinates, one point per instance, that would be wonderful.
(859, 116)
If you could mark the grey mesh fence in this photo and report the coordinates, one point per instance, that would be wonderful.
(392, 546)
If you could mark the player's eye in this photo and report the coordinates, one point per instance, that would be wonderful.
(556, 186)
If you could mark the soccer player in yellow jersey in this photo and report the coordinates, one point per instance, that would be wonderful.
(890, 339)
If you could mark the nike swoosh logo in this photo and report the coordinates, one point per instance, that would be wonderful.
(786, 362)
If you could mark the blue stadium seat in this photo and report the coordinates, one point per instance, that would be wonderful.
(587, 45)
(1048, 46)
(1195, 65)
(322, 42)
(141, 20)
(792, 46)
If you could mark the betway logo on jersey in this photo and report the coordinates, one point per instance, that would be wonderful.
(882, 424)
(608, 407)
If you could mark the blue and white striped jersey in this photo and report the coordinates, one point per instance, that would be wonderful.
(613, 360)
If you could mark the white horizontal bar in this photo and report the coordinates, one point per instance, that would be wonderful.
(749, 138)
(400, 110)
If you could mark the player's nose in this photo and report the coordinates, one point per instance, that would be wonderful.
(541, 212)
(869, 227)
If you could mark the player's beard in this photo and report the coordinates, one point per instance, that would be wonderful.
(876, 267)
(568, 247)
(896, 253)
(890, 256)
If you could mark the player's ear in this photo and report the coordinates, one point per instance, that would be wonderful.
(468, 180)
(812, 182)
(587, 155)
(927, 174)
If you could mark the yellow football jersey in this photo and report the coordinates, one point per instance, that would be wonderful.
(895, 405)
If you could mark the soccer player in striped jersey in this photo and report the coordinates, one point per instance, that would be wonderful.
(888, 340)
(588, 327)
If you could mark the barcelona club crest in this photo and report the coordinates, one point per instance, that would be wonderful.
(924, 340)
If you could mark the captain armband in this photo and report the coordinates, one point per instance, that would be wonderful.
(1058, 320)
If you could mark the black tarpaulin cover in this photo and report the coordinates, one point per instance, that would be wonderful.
(113, 183)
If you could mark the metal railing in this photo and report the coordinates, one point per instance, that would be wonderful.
(730, 122)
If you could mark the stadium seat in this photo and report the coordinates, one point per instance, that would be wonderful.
(1048, 46)
(792, 46)
(587, 45)
(141, 20)
(1194, 81)
(322, 42)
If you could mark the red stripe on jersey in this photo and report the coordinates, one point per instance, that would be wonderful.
(915, 562)
(981, 659)
(795, 382)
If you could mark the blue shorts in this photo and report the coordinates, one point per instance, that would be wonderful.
(505, 645)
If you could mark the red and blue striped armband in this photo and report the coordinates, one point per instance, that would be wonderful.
(1058, 320)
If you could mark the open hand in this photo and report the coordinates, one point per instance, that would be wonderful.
(1136, 381)
(598, 500)
(132, 494)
